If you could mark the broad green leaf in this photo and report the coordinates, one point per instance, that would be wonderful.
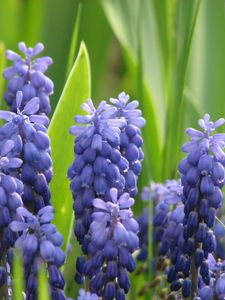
(77, 89)
(18, 277)
(43, 285)
(73, 44)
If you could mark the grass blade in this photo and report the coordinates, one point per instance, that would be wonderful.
(18, 282)
(2, 67)
(43, 290)
(73, 44)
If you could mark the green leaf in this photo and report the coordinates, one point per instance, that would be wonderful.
(77, 89)
(73, 44)
(18, 277)
(43, 285)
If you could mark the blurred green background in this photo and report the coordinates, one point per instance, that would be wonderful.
(169, 54)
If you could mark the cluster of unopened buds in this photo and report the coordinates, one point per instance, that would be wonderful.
(185, 214)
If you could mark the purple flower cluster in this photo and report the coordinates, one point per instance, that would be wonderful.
(10, 199)
(28, 75)
(163, 196)
(26, 170)
(31, 143)
(202, 177)
(130, 139)
(113, 240)
(216, 287)
(39, 243)
(103, 167)
(97, 166)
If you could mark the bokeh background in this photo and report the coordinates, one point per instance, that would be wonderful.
(169, 54)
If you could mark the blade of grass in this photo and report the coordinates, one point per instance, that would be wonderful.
(77, 89)
(2, 67)
(74, 40)
(43, 291)
(18, 277)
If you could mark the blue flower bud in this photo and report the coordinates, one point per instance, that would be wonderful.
(207, 187)
(205, 164)
(120, 294)
(204, 269)
(186, 288)
(111, 270)
(172, 275)
(194, 156)
(218, 172)
(110, 250)
(97, 282)
(184, 166)
(192, 176)
(199, 257)
(176, 285)
(201, 232)
(3, 276)
(216, 199)
(123, 280)
(110, 291)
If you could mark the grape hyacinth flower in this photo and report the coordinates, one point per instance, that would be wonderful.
(130, 139)
(163, 196)
(28, 75)
(97, 165)
(40, 242)
(202, 176)
(29, 134)
(113, 240)
(10, 199)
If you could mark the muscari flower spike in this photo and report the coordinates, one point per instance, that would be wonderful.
(202, 177)
(113, 240)
(130, 138)
(10, 199)
(28, 75)
(164, 196)
(100, 167)
(40, 242)
(97, 166)
(31, 144)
